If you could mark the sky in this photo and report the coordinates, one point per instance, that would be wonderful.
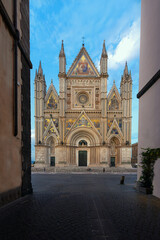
(115, 21)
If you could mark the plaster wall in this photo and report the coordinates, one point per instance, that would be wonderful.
(156, 180)
(149, 111)
(150, 38)
(8, 7)
(10, 146)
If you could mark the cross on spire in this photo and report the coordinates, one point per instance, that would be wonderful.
(83, 41)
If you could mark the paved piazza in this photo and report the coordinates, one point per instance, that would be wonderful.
(82, 206)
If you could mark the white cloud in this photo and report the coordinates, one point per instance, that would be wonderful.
(32, 134)
(127, 48)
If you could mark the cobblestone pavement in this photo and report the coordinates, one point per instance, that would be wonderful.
(82, 206)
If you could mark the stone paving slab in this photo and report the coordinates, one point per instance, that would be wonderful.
(82, 206)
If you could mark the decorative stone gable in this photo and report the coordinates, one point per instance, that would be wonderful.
(82, 122)
(50, 129)
(83, 66)
(52, 102)
(69, 124)
(114, 129)
(47, 122)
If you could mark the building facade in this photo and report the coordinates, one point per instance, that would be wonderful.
(15, 141)
(149, 86)
(83, 126)
(134, 158)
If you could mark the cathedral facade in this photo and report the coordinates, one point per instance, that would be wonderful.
(83, 125)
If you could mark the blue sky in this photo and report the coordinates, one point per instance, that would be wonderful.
(115, 21)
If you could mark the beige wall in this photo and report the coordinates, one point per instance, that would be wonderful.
(156, 180)
(149, 110)
(10, 146)
(150, 39)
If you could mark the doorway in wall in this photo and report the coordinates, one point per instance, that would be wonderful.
(112, 161)
(82, 158)
(52, 161)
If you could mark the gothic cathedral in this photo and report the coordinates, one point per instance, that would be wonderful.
(83, 126)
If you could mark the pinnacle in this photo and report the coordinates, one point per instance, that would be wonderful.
(62, 54)
(126, 69)
(104, 52)
(40, 71)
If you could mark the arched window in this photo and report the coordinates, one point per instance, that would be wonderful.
(82, 143)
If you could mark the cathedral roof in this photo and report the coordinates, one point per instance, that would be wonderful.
(83, 65)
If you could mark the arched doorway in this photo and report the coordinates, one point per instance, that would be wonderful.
(114, 152)
(82, 154)
(83, 144)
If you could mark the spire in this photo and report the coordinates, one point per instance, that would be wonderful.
(126, 69)
(62, 60)
(104, 52)
(103, 61)
(40, 71)
(83, 41)
(62, 54)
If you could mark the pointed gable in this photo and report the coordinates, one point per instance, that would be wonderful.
(83, 121)
(114, 129)
(83, 66)
(51, 98)
(114, 99)
(51, 129)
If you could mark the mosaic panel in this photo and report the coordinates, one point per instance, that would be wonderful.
(110, 121)
(83, 122)
(83, 68)
(109, 124)
(51, 130)
(113, 103)
(47, 121)
(119, 121)
(69, 124)
(52, 102)
(114, 131)
(96, 123)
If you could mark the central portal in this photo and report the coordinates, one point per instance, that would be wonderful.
(83, 158)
